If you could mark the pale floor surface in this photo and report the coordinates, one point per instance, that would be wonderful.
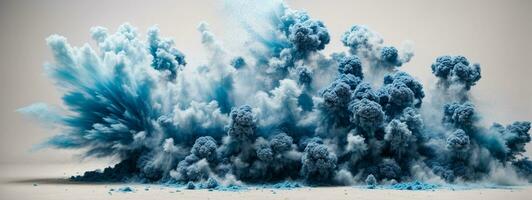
(20, 182)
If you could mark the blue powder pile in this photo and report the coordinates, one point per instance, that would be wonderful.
(287, 185)
(231, 188)
(416, 185)
(126, 189)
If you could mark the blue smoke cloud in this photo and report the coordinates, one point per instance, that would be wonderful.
(456, 70)
(368, 44)
(243, 123)
(205, 147)
(367, 115)
(277, 110)
(318, 163)
(165, 56)
(459, 115)
(350, 65)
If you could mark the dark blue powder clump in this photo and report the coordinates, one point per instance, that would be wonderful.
(211, 183)
(371, 182)
(190, 185)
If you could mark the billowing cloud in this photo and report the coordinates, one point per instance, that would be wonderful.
(276, 109)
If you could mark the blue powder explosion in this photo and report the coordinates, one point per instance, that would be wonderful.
(278, 110)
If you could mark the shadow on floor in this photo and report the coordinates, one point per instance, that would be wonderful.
(53, 181)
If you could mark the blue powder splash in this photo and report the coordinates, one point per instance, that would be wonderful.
(273, 110)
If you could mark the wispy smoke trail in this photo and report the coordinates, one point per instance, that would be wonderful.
(279, 110)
